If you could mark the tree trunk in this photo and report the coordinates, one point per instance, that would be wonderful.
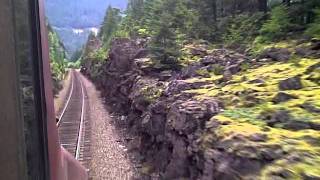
(263, 5)
(286, 2)
(214, 10)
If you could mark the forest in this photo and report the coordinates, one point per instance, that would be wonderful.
(241, 25)
(213, 89)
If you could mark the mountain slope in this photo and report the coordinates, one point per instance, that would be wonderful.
(79, 14)
(74, 20)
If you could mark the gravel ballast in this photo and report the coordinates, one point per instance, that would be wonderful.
(109, 159)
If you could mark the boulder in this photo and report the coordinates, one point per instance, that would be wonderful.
(303, 52)
(276, 54)
(257, 81)
(314, 77)
(310, 177)
(122, 54)
(217, 61)
(198, 51)
(178, 86)
(309, 107)
(233, 69)
(190, 71)
(165, 75)
(293, 83)
(276, 117)
(271, 153)
(315, 44)
(313, 68)
(296, 125)
(282, 97)
(307, 52)
(251, 100)
(186, 117)
(281, 173)
(258, 137)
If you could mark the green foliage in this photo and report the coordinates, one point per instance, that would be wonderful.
(277, 26)
(100, 54)
(168, 24)
(151, 93)
(314, 28)
(164, 46)
(143, 32)
(242, 29)
(74, 65)
(110, 25)
(203, 20)
(57, 58)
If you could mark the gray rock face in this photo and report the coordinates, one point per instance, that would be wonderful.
(293, 83)
(167, 128)
(186, 117)
(169, 124)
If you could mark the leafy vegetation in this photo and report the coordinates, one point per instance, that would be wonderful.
(57, 59)
(277, 26)
(235, 24)
(171, 23)
(242, 30)
(314, 28)
(110, 25)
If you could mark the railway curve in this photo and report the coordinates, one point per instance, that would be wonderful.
(73, 126)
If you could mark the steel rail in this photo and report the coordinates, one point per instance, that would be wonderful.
(81, 123)
(67, 103)
(80, 132)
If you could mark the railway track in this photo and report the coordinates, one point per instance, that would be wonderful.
(73, 126)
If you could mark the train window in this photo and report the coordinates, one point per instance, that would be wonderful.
(31, 87)
(20, 74)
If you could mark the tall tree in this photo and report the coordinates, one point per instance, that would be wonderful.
(164, 41)
(110, 25)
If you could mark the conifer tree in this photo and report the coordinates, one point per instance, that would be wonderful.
(110, 25)
(164, 45)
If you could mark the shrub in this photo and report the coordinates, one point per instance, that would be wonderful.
(314, 28)
(242, 29)
(277, 26)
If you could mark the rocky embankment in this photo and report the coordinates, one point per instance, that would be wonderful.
(223, 116)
